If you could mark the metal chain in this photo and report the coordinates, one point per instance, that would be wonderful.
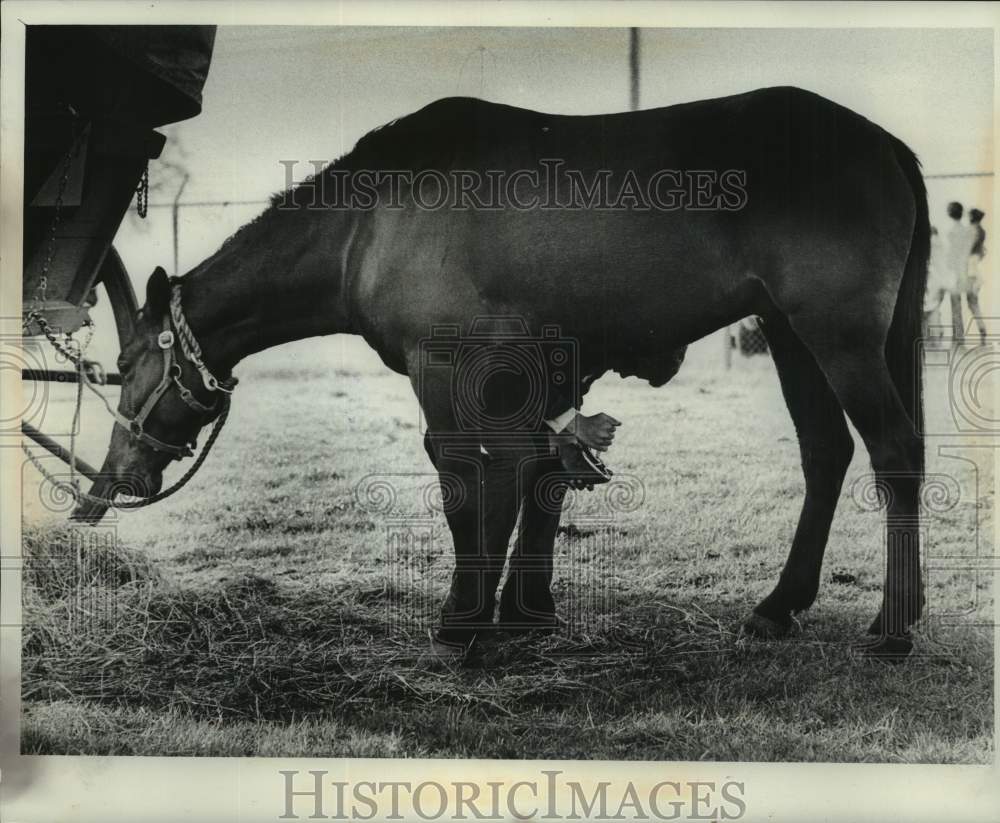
(67, 347)
(71, 349)
(142, 193)
(43, 281)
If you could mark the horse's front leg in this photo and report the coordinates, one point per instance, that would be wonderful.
(526, 601)
(480, 495)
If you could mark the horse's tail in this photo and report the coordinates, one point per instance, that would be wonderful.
(902, 353)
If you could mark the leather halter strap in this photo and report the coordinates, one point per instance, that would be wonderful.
(172, 376)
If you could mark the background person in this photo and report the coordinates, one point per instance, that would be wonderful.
(973, 279)
(937, 288)
(959, 245)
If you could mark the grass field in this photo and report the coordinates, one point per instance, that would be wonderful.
(266, 611)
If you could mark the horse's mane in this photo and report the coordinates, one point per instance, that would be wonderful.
(423, 139)
(346, 162)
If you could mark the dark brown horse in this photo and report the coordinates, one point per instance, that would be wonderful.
(633, 234)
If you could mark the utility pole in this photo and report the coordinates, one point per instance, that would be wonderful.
(633, 66)
(176, 209)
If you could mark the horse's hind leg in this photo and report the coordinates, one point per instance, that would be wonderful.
(826, 449)
(852, 354)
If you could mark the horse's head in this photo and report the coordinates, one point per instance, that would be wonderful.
(167, 396)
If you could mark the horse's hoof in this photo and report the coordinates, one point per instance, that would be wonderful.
(514, 623)
(877, 627)
(765, 628)
(886, 649)
(515, 630)
(447, 650)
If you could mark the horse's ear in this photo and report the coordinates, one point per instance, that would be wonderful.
(158, 292)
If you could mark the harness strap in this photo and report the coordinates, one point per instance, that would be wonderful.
(74, 490)
(186, 396)
(164, 383)
(172, 374)
(135, 426)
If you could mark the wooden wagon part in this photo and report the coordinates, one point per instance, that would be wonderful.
(94, 95)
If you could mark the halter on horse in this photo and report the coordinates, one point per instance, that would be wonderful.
(175, 331)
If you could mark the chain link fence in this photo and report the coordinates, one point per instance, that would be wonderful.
(746, 338)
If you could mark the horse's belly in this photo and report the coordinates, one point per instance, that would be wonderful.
(627, 286)
(635, 280)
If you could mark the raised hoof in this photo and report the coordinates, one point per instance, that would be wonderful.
(886, 649)
(765, 628)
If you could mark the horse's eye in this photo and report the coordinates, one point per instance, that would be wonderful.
(122, 365)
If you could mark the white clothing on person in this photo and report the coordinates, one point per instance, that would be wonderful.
(960, 240)
(938, 281)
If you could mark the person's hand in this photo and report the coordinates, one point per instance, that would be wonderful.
(596, 432)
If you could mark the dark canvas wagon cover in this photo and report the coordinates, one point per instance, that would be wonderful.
(94, 94)
(93, 97)
(175, 58)
(89, 66)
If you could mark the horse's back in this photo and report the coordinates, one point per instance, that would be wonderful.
(764, 123)
(815, 184)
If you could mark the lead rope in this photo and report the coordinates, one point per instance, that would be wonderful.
(76, 422)
(182, 481)
(75, 492)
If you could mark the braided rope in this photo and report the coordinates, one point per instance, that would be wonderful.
(190, 347)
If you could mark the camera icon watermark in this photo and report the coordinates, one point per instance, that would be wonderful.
(956, 568)
(569, 571)
(964, 376)
(502, 379)
(23, 357)
(72, 577)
